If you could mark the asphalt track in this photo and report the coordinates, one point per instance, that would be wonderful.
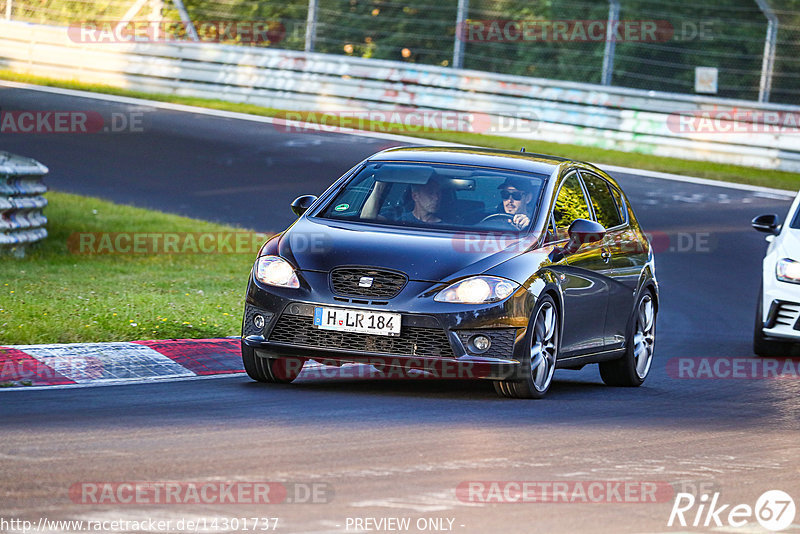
(399, 448)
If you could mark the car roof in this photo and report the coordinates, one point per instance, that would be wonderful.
(481, 157)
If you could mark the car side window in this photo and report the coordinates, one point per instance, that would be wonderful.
(621, 209)
(570, 205)
(605, 208)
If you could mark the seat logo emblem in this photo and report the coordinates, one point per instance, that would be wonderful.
(365, 281)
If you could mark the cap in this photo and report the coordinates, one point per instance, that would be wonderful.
(517, 183)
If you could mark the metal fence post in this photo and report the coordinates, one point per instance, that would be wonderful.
(184, 15)
(611, 43)
(458, 44)
(311, 25)
(768, 62)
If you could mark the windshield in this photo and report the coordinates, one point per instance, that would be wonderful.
(444, 197)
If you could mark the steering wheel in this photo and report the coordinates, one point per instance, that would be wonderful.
(508, 217)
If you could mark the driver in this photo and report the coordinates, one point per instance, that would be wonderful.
(516, 195)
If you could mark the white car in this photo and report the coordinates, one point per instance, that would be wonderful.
(777, 323)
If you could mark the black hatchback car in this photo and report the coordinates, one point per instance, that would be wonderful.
(458, 262)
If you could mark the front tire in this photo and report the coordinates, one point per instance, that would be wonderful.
(540, 362)
(634, 366)
(268, 370)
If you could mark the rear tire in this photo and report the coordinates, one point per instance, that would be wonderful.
(761, 345)
(268, 370)
(632, 369)
(539, 364)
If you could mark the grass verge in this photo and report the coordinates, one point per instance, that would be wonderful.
(56, 296)
(714, 171)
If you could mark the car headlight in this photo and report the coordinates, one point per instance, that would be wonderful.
(275, 271)
(788, 270)
(477, 290)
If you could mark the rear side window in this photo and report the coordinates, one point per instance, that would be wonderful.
(620, 202)
(570, 205)
(603, 203)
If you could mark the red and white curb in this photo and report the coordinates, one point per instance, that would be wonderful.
(74, 365)
(92, 364)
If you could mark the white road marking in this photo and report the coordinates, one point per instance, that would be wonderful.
(104, 383)
(392, 471)
(693, 467)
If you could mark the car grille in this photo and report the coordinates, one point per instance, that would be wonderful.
(412, 341)
(786, 314)
(502, 341)
(385, 284)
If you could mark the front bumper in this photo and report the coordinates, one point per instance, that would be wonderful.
(781, 310)
(435, 337)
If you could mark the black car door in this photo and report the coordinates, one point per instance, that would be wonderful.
(619, 247)
(584, 275)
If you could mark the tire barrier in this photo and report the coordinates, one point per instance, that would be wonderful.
(21, 203)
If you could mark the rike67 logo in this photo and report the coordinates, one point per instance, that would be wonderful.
(774, 510)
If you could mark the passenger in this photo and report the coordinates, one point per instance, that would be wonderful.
(426, 199)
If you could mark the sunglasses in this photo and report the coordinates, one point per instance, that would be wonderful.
(516, 195)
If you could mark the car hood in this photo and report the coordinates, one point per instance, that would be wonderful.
(321, 245)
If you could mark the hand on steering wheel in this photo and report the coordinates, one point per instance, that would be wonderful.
(518, 220)
(497, 216)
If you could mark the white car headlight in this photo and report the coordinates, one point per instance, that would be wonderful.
(477, 290)
(275, 271)
(788, 270)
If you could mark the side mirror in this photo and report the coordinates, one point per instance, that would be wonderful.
(301, 204)
(768, 223)
(583, 231)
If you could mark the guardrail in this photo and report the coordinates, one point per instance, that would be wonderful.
(527, 108)
(21, 219)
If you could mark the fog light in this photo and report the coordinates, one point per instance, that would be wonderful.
(481, 343)
(258, 320)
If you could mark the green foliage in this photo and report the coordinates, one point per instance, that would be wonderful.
(602, 201)
(382, 30)
(570, 205)
(728, 35)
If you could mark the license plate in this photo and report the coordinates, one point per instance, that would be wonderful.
(358, 321)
